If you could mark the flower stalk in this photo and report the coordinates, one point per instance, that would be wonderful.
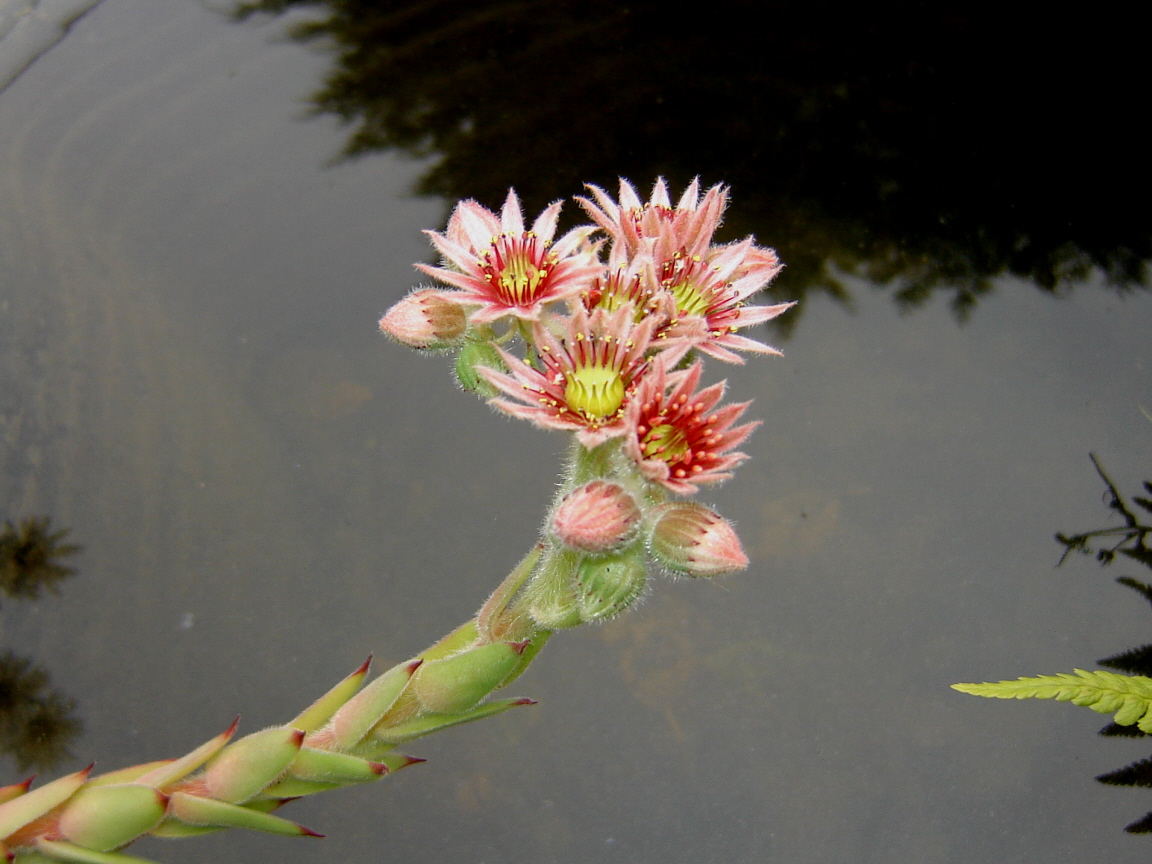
(550, 332)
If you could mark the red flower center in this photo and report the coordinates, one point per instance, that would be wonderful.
(678, 433)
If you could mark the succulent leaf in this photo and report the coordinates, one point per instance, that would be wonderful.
(363, 711)
(7, 793)
(185, 765)
(321, 711)
(462, 637)
(459, 682)
(104, 818)
(429, 723)
(329, 767)
(294, 787)
(244, 768)
(58, 850)
(18, 812)
(127, 775)
(209, 812)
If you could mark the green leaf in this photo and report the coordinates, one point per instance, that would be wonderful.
(1129, 697)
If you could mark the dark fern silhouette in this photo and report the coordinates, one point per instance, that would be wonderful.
(1128, 540)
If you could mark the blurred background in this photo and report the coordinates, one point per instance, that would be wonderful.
(205, 208)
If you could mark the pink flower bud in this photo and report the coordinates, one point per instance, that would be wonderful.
(598, 517)
(696, 541)
(425, 319)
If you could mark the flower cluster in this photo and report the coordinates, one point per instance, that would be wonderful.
(600, 332)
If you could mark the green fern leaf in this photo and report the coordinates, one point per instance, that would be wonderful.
(1129, 697)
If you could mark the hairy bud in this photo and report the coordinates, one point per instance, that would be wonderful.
(691, 539)
(425, 319)
(598, 517)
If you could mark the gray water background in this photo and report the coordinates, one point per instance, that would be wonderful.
(267, 491)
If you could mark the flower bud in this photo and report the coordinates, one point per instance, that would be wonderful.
(597, 517)
(607, 586)
(691, 539)
(425, 319)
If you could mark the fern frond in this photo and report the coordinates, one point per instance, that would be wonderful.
(1129, 697)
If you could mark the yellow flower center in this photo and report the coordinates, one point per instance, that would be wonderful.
(690, 300)
(596, 391)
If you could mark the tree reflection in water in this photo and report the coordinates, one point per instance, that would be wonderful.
(925, 146)
(37, 723)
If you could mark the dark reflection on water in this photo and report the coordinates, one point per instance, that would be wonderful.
(928, 146)
(37, 723)
(30, 558)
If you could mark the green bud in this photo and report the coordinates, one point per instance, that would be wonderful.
(608, 585)
(459, 682)
(107, 817)
(206, 811)
(476, 354)
(242, 769)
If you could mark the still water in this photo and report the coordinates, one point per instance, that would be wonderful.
(266, 491)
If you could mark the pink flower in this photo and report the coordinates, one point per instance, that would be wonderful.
(677, 437)
(693, 540)
(689, 225)
(506, 270)
(585, 378)
(710, 293)
(596, 518)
